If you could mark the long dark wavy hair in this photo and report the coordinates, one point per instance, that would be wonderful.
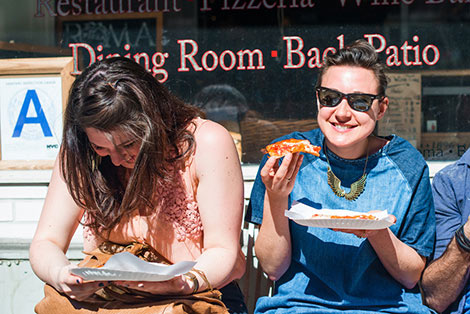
(117, 94)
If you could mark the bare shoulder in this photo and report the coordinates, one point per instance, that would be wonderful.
(215, 148)
(211, 134)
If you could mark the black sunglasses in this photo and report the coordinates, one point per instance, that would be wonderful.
(357, 101)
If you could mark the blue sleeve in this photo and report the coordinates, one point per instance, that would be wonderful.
(448, 214)
(254, 211)
(418, 228)
(448, 189)
(419, 231)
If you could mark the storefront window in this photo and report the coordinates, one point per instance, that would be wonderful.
(252, 64)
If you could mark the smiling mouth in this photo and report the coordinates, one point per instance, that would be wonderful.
(342, 127)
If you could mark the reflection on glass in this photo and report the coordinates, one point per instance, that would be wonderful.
(268, 51)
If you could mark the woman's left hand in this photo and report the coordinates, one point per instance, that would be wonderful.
(179, 285)
(400, 260)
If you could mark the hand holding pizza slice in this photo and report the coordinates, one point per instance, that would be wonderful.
(282, 148)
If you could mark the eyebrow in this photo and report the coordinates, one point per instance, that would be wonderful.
(93, 144)
(121, 144)
(126, 143)
(354, 92)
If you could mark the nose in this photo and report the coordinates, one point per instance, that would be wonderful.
(343, 110)
(116, 158)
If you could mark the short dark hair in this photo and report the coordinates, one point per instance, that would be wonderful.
(361, 54)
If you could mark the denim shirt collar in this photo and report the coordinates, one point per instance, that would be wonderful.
(465, 159)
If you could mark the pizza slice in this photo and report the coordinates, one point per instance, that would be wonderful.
(282, 148)
(357, 216)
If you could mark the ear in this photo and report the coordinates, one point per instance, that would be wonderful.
(383, 106)
(318, 104)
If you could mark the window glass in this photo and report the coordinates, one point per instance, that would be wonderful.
(252, 64)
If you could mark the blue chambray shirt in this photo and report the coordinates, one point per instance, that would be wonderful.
(332, 272)
(450, 188)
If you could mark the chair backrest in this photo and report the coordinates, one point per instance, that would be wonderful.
(254, 282)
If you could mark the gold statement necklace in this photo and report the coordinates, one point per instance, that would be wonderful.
(356, 187)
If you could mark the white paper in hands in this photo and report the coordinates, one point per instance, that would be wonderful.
(126, 266)
(303, 215)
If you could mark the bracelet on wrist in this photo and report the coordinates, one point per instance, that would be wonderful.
(203, 276)
(194, 280)
(462, 241)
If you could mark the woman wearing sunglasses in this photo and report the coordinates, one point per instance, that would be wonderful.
(320, 270)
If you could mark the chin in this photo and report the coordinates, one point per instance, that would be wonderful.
(341, 139)
(342, 145)
(344, 141)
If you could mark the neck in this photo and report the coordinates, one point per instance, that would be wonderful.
(357, 151)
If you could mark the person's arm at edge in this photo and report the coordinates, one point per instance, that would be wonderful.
(445, 277)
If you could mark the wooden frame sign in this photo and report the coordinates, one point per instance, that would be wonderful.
(33, 94)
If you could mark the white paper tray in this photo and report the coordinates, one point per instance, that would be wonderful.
(126, 266)
(302, 214)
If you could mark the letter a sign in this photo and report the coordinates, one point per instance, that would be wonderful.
(31, 97)
(30, 117)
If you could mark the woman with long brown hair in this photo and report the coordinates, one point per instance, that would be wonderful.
(139, 165)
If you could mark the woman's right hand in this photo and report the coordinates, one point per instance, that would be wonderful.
(280, 180)
(74, 286)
